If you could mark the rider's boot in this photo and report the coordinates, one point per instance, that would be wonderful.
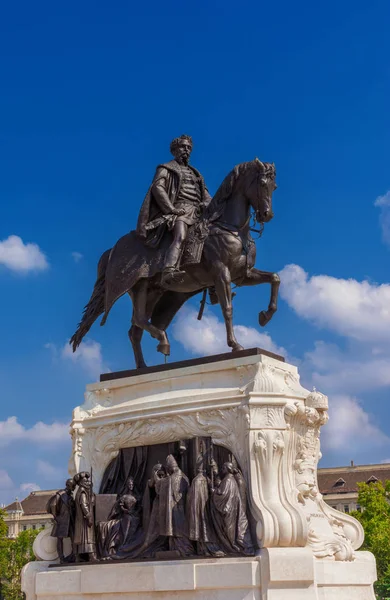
(171, 274)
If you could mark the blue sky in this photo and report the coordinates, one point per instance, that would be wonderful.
(92, 96)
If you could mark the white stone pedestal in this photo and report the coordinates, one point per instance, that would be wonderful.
(254, 406)
(276, 574)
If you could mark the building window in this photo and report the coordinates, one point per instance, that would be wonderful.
(359, 508)
(346, 508)
(339, 483)
(24, 527)
(34, 526)
(372, 479)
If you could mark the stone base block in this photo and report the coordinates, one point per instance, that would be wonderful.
(276, 574)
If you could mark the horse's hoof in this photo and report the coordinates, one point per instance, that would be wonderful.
(164, 349)
(237, 348)
(263, 318)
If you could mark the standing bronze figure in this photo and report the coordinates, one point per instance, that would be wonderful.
(201, 529)
(238, 476)
(186, 243)
(151, 511)
(62, 506)
(228, 514)
(172, 519)
(84, 537)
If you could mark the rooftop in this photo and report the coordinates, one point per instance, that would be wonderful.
(341, 480)
(34, 504)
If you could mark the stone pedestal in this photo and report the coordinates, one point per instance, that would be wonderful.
(276, 574)
(255, 407)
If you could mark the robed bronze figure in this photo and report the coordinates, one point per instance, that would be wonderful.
(122, 533)
(84, 537)
(229, 515)
(186, 243)
(62, 506)
(201, 530)
(172, 519)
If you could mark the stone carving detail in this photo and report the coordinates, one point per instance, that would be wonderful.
(328, 535)
(97, 401)
(267, 378)
(279, 522)
(351, 528)
(101, 444)
(267, 417)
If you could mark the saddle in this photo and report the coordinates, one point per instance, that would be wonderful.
(193, 245)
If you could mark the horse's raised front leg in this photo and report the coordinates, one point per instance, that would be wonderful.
(143, 304)
(223, 288)
(256, 277)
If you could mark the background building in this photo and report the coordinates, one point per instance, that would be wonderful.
(338, 485)
(29, 513)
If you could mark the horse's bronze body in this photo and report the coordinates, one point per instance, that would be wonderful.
(228, 257)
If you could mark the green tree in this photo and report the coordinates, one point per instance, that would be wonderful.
(16, 554)
(374, 498)
(4, 543)
(3, 526)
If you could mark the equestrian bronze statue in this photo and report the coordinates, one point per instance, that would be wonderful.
(185, 243)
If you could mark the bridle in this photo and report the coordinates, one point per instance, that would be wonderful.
(261, 226)
(253, 216)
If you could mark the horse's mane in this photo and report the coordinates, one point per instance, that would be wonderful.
(225, 190)
(216, 206)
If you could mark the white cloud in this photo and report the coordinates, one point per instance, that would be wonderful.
(77, 256)
(41, 433)
(359, 310)
(20, 257)
(5, 480)
(88, 355)
(27, 488)
(12, 491)
(47, 470)
(350, 427)
(208, 336)
(355, 370)
(383, 202)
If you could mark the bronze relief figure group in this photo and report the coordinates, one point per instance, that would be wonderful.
(186, 242)
(171, 518)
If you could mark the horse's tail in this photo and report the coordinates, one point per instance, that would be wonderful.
(95, 306)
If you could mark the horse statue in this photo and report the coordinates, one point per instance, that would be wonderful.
(228, 256)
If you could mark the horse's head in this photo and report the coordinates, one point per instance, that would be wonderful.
(260, 189)
(254, 183)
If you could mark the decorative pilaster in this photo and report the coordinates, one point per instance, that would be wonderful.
(331, 534)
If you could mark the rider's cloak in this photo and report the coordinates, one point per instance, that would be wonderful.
(159, 202)
(140, 254)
